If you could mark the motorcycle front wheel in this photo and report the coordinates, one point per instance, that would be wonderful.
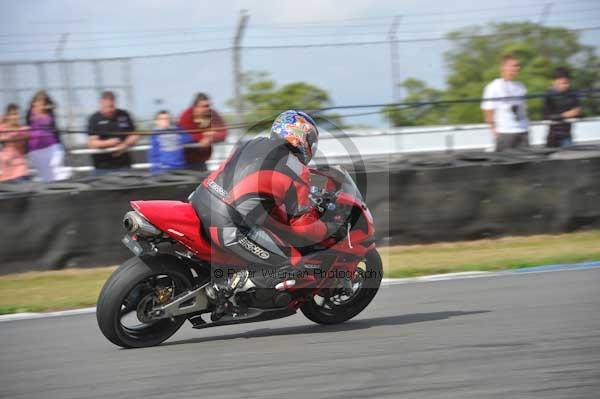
(122, 310)
(342, 307)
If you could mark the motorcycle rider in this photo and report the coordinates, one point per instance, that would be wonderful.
(256, 204)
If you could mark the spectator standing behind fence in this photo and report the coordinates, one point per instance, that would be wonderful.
(167, 151)
(13, 138)
(46, 153)
(560, 103)
(206, 128)
(504, 107)
(107, 129)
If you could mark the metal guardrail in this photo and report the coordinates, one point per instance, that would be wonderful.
(449, 133)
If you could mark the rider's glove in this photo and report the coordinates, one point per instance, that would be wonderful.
(324, 201)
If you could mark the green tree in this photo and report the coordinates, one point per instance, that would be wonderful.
(473, 61)
(417, 91)
(263, 100)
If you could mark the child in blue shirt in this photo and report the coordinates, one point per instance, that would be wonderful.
(167, 142)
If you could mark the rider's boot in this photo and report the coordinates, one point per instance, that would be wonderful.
(220, 292)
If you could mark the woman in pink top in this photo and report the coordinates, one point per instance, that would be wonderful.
(13, 138)
(46, 153)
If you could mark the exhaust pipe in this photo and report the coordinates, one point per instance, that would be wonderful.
(136, 224)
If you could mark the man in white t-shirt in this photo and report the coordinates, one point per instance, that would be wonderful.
(504, 107)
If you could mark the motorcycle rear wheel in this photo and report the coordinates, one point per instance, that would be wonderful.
(356, 303)
(129, 289)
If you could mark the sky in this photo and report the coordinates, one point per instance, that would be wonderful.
(34, 29)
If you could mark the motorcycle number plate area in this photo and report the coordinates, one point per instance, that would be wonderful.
(133, 245)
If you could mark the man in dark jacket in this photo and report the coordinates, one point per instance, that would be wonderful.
(111, 129)
(560, 103)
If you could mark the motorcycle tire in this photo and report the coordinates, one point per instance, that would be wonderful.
(346, 311)
(119, 288)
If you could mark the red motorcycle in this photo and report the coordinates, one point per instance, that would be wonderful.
(170, 279)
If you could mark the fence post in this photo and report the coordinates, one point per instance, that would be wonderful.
(237, 67)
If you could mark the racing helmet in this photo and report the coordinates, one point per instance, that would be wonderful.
(299, 131)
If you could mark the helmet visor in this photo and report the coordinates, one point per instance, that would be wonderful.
(312, 141)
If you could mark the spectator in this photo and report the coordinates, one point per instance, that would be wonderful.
(13, 137)
(507, 117)
(46, 153)
(201, 116)
(560, 103)
(106, 130)
(166, 151)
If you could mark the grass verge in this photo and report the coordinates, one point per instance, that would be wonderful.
(51, 290)
(74, 288)
(490, 255)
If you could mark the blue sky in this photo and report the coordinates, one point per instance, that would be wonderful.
(32, 29)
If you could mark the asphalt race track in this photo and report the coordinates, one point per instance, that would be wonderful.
(518, 336)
